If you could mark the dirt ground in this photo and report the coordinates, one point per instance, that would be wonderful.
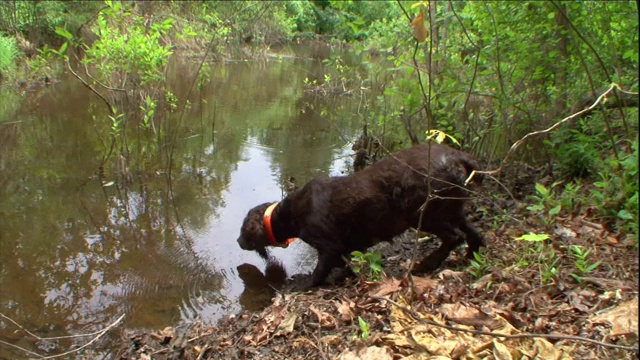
(487, 310)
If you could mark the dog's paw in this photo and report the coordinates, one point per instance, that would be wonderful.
(425, 267)
(301, 282)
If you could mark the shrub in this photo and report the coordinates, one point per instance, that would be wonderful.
(8, 54)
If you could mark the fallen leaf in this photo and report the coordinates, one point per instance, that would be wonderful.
(368, 353)
(500, 351)
(623, 318)
(325, 319)
(450, 274)
(423, 284)
(286, 326)
(332, 340)
(482, 282)
(467, 315)
(564, 232)
(387, 286)
(344, 309)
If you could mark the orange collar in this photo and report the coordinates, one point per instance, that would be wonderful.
(269, 229)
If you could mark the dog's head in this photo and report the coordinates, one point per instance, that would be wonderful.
(252, 234)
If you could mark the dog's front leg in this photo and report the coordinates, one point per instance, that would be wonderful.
(327, 260)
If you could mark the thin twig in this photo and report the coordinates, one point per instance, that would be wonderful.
(416, 316)
(97, 334)
(20, 348)
(93, 90)
(102, 332)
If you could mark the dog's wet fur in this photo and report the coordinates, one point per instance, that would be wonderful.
(337, 215)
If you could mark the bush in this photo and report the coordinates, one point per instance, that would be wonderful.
(8, 54)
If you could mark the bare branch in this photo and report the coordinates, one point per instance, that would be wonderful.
(517, 144)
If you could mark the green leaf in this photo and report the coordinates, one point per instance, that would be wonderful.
(593, 266)
(625, 215)
(376, 267)
(541, 189)
(63, 48)
(555, 210)
(630, 54)
(533, 237)
(535, 207)
(64, 33)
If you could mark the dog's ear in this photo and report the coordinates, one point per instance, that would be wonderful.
(257, 224)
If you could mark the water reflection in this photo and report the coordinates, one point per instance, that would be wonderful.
(75, 254)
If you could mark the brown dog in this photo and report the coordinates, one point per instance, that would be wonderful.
(338, 215)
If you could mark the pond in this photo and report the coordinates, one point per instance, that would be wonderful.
(77, 252)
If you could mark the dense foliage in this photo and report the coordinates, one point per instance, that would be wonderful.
(485, 73)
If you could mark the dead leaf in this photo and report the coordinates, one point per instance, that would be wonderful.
(623, 318)
(450, 274)
(387, 286)
(459, 350)
(467, 315)
(324, 319)
(564, 232)
(419, 31)
(332, 340)
(607, 284)
(368, 353)
(482, 282)
(423, 284)
(286, 326)
(500, 351)
(344, 309)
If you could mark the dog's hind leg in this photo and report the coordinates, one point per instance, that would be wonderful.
(474, 239)
(451, 237)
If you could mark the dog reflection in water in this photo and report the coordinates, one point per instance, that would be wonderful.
(260, 288)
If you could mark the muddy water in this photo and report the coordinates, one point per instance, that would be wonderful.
(77, 251)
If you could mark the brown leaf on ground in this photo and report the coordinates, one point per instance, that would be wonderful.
(467, 315)
(345, 309)
(623, 318)
(450, 274)
(325, 319)
(368, 353)
(386, 286)
(607, 284)
(423, 284)
(286, 326)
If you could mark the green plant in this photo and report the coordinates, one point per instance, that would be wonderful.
(548, 265)
(571, 197)
(116, 122)
(545, 256)
(545, 199)
(369, 260)
(577, 150)
(148, 110)
(581, 262)
(8, 55)
(479, 265)
(616, 192)
(364, 328)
